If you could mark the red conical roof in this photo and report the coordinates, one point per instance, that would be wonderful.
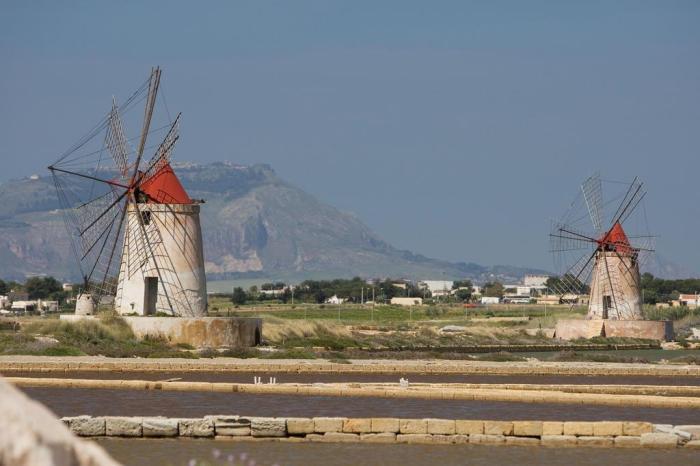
(617, 240)
(165, 188)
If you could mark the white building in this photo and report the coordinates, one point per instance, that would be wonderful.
(335, 300)
(24, 306)
(438, 287)
(690, 300)
(403, 301)
(490, 300)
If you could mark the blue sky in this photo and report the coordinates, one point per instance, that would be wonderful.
(454, 129)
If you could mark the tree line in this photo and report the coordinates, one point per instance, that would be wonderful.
(47, 288)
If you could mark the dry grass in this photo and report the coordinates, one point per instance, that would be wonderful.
(279, 330)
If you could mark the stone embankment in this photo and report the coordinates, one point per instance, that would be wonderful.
(394, 430)
(9, 364)
(609, 395)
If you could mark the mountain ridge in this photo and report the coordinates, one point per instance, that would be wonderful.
(254, 224)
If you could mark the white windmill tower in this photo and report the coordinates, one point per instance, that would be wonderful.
(140, 206)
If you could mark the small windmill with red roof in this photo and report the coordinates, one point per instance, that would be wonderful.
(595, 256)
(134, 228)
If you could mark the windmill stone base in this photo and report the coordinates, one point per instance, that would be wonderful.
(199, 332)
(570, 329)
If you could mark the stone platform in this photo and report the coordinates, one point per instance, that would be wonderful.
(588, 328)
(213, 332)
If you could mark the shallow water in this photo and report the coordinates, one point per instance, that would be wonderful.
(146, 452)
(247, 377)
(103, 402)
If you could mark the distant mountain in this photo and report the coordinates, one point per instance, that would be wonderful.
(254, 225)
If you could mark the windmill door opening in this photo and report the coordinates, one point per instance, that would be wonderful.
(150, 295)
(607, 304)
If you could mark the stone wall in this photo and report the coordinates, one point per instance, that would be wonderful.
(30, 435)
(23, 363)
(394, 430)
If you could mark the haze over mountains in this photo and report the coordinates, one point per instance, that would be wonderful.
(255, 225)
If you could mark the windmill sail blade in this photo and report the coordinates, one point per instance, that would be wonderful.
(164, 152)
(116, 141)
(564, 238)
(593, 196)
(147, 117)
(574, 280)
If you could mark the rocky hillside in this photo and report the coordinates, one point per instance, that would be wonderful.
(254, 224)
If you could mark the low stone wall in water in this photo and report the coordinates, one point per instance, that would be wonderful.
(394, 430)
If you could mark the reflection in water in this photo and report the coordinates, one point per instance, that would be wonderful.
(97, 402)
(146, 452)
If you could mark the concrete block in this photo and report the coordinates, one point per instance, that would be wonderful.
(578, 428)
(328, 424)
(552, 428)
(268, 427)
(196, 427)
(357, 425)
(498, 428)
(234, 426)
(384, 437)
(414, 438)
(314, 437)
(594, 441)
(159, 427)
(527, 428)
(694, 444)
(663, 428)
(413, 426)
(300, 425)
(626, 441)
(469, 427)
(658, 440)
(684, 430)
(440, 439)
(486, 438)
(385, 424)
(607, 429)
(441, 426)
(460, 439)
(87, 426)
(117, 426)
(637, 428)
(559, 440)
(341, 437)
(524, 441)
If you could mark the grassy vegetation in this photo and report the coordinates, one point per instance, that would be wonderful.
(110, 336)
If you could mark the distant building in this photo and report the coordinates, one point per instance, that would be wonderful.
(535, 280)
(690, 300)
(407, 301)
(335, 300)
(67, 287)
(4, 302)
(490, 300)
(24, 307)
(438, 287)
